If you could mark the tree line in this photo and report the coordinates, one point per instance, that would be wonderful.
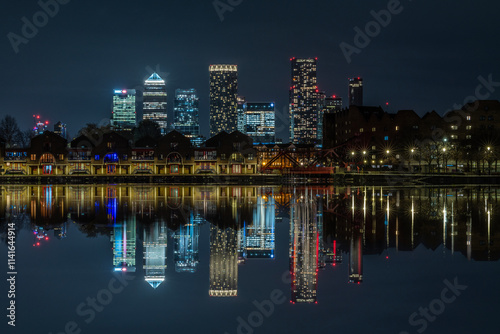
(12, 135)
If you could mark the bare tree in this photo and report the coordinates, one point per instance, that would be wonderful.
(24, 138)
(9, 130)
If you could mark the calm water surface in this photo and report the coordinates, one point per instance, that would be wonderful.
(166, 259)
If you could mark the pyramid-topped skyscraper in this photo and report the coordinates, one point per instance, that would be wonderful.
(155, 101)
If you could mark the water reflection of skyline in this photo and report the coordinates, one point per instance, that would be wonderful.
(325, 224)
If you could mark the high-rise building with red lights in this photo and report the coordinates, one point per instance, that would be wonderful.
(304, 248)
(355, 91)
(303, 101)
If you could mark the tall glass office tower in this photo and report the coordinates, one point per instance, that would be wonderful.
(186, 119)
(355, 91)
(123, 116)
(303, 102)
(155, 101)
(240, 110)
(223, 98)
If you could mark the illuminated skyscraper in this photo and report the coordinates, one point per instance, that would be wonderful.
(355, 91)
(186, 119)
(260, 235)
(155, 253)
(304, 248)
(186, 241)
(155, 101)
(321, 103)
(223, 98)
(303, 102)
(123, 117)
(60, 129)
(327, 108)
(223, 262)
(260, 122)
(39, 127)
(242, 126)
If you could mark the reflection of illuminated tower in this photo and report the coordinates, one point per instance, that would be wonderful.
(39, 235)
(155, 253)
(356, 258)
(223, 262)
(123, 238)
(304, 248)
(60, 231)
(242, 244)
(259, 239)
(356, 248)
(321, 243)
(186, 246)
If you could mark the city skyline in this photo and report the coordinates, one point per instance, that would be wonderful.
(407, 73)
(282, 164)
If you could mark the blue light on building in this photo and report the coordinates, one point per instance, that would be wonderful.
(186, 107)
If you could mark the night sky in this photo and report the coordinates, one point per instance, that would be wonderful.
(428, 58)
